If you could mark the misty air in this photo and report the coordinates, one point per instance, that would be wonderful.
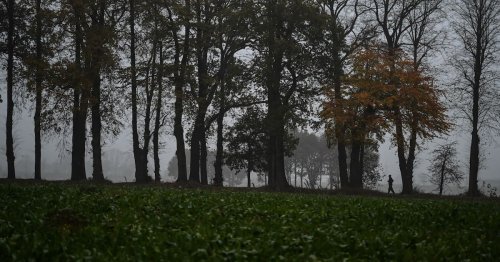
(249, 130)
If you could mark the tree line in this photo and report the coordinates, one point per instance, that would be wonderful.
(248, 73)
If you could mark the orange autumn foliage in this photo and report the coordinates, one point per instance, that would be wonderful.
(377, 85)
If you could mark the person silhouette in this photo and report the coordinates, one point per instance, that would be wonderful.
(390, 185)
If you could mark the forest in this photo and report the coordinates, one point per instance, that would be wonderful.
(238, 80)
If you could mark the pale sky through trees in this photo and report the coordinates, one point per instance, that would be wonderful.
(388, 161)
(57, 154)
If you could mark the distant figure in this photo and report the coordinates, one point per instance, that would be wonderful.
(390, 185)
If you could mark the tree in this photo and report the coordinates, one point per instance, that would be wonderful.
(38, 90)
(182, 52)
(392, 17)
(286, 63)
(395, 19)
(362, 116)
(444, 168)
(139, 162)
(92, 25)
(158, 120)
(11, 172)
(15, 45)
(81, 94)
(101, 33)
(371, 169)
(221, 32)
(39, 41)
(246, 141)
(477, 25)
(343, 34)
(205, 14)
(379, 83)
(423, 37)
(147, 77)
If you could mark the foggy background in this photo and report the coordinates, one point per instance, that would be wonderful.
(118, 161)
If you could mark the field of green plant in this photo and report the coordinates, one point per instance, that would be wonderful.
(53, 222)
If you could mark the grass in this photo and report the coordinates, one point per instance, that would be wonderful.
(57, 222)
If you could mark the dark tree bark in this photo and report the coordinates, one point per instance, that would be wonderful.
(38, 90)
(140, 176)
(80, 106)
(203, 159)
(406, 178)
(194, 169)
(179, 81)
(150, 87)
(356, 180)
(249, 172)
(156, 137)
(219, 156)
(96, 128)
(275, 115)
(441, 180)
(477, 27)
(340, 136)
(96, 64)
(179, 131)
(203, 97)
(11, 172)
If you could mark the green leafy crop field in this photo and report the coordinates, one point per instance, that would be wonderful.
(57, 222)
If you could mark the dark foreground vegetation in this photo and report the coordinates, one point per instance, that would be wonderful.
(54, 222)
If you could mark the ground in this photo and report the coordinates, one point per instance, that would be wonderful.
(64, 221)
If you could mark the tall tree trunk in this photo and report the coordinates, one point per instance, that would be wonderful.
(80, 107)
(179, 96)
(194, 169)
(11, 172)
(179, 133)
(150, 86)
(202, 99)
(95, 69)
(302, 175)
(249, 172)
(218, 180)
(441, 180)
(475, 141)
(219, 156)
(96, 128)
(38, 89)
(203, 159)
(406, 179)
(474, 164)
(277, 176)
(410, 162)
(362, 162)
(319, 177)
(156, 138)
(295, 174)
(355, 166)
(80, 101)
(138, 154)
(339, 127)
(275, 113)
(275, 125)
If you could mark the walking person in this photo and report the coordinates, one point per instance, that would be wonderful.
(390, 185)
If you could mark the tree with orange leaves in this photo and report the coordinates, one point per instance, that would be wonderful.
(386, 92)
